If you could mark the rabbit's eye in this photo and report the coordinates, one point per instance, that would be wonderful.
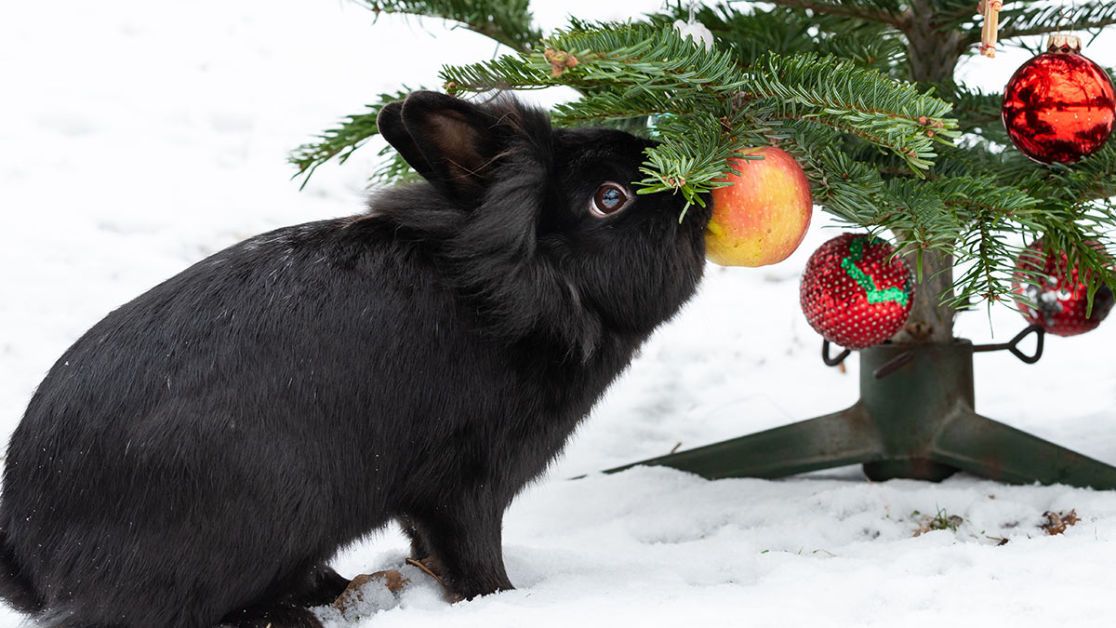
(609, 199)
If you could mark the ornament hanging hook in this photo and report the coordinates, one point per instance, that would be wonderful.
(1067, 12)
(1063, 40)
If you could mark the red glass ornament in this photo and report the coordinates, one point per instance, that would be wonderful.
(1059, 106)
(855, 293)
(1057, 292)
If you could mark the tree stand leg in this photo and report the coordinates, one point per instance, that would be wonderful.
(915, 420)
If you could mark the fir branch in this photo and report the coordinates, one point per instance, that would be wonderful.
(1023, 21)
(986, 258)
(1090, 180)
(975, 196)
(1086, 238)
(988, 218)
(754, 35)
(892, 115)
(974, 109)
(883, 11)
(773, 79)
(972, 217)
(922, 220)
(602, 106)
(689, 159)
(506, 21)
(989, 250)
(393, 169)
(642, 70)
(341, 141)
(952, 14)
(1094, 178)
(650, 57)
(851, 190)
(503, 73)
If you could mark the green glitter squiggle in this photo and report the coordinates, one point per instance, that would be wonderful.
(875, 295)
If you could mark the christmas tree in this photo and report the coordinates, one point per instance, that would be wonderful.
(862, 93)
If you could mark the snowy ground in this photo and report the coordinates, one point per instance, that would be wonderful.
(139, 136)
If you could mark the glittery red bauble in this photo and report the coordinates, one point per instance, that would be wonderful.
(855, 293)
(1058, 296)
(1059, 107)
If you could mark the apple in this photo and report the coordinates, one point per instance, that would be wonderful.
(762, 217)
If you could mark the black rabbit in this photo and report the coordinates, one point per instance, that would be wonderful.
(201, 454)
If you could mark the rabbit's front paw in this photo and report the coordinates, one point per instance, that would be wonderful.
(431, 566)
(465, 587)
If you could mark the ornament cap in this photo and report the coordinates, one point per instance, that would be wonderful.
(1063, 43)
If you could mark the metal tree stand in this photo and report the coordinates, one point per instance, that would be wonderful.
(915, 419)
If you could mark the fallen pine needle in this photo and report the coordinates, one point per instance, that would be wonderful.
(1057, 522)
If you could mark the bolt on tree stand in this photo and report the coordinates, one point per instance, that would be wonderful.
(915, 419)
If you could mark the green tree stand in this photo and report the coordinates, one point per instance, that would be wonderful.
(915, 419)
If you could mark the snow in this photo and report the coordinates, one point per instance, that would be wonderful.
(140, 136)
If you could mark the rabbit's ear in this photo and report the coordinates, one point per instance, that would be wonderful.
(390, 123)
(459, 142)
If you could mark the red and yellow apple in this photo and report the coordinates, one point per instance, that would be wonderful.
(762, 217)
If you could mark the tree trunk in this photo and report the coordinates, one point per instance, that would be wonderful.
(933, 58)
(930, 320)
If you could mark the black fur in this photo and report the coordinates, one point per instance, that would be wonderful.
(203, 452)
